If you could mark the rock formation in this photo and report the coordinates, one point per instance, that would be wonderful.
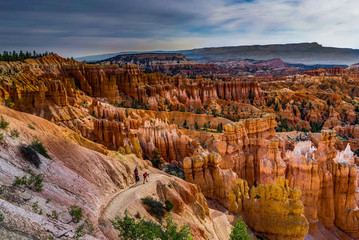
(319, 173)
(250, 148)
(273, 209)
(203, 169)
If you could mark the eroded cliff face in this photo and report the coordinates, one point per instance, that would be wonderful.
(330, 182)
(157, 91)
(55, 81)
(203, 169)
(273, 209)
(250, 148)
(326, 177)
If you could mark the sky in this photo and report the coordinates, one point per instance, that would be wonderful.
(86, 27)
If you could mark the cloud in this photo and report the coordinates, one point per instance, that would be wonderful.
(74, 28)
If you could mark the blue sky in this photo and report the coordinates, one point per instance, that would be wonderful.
(79, 27)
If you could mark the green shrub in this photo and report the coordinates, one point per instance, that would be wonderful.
(239, 231)
(169, 205)
(156, 159)
(316, 126)
(1, 217)
(283, 126)
(185, 124)
(9, 103)
(76, 213)
(86, 228)
(304, 129)
(173, 170)
(54, 215)
(31, 127)
(39, 147)
(156, 208)
(14, 133)
(80, 231)
(34, 182)
(3, 123)
(36, 208)
(196, 125)
(30, 155)
(1, 137)
(146, 230)
(220, 127)
(90, 228)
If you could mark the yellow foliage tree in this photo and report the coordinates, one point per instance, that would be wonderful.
(137, 148)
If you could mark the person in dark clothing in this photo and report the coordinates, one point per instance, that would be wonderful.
(136, 174)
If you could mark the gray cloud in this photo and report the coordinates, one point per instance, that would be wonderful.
(74, 28)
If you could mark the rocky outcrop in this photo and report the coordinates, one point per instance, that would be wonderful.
(250, 149)
(319, 173)
(116, 130)
(273, 209)
(170, 143)
(202, 168)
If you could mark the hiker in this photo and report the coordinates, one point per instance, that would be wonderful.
(145, 175)
(136, 174)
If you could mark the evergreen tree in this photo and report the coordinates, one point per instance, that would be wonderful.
(239, 231)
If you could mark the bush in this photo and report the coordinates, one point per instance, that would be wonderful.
(1, 217)
(304, 129)
(156, 159)
(156, 208)
(3, 123)
(283, 126)
(196, 125)
(169, 205)
(147, 230)
(316, 126)
(76, 213)
(220, 127)
(9, 103)
(239, 231)
(30, 126)
(14, 133)
(185, 124)
(86, 228)
(1, 137)
(34, 182)
(36, 208)
(173, 170)
(30, 155)
(39, 147)
(54, 214)
(80, 231)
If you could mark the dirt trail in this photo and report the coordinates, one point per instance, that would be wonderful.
(218, 225)
(121, 201)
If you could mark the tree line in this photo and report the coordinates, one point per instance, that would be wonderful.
(20, 56)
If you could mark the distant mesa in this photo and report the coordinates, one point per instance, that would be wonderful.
(305, 53)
